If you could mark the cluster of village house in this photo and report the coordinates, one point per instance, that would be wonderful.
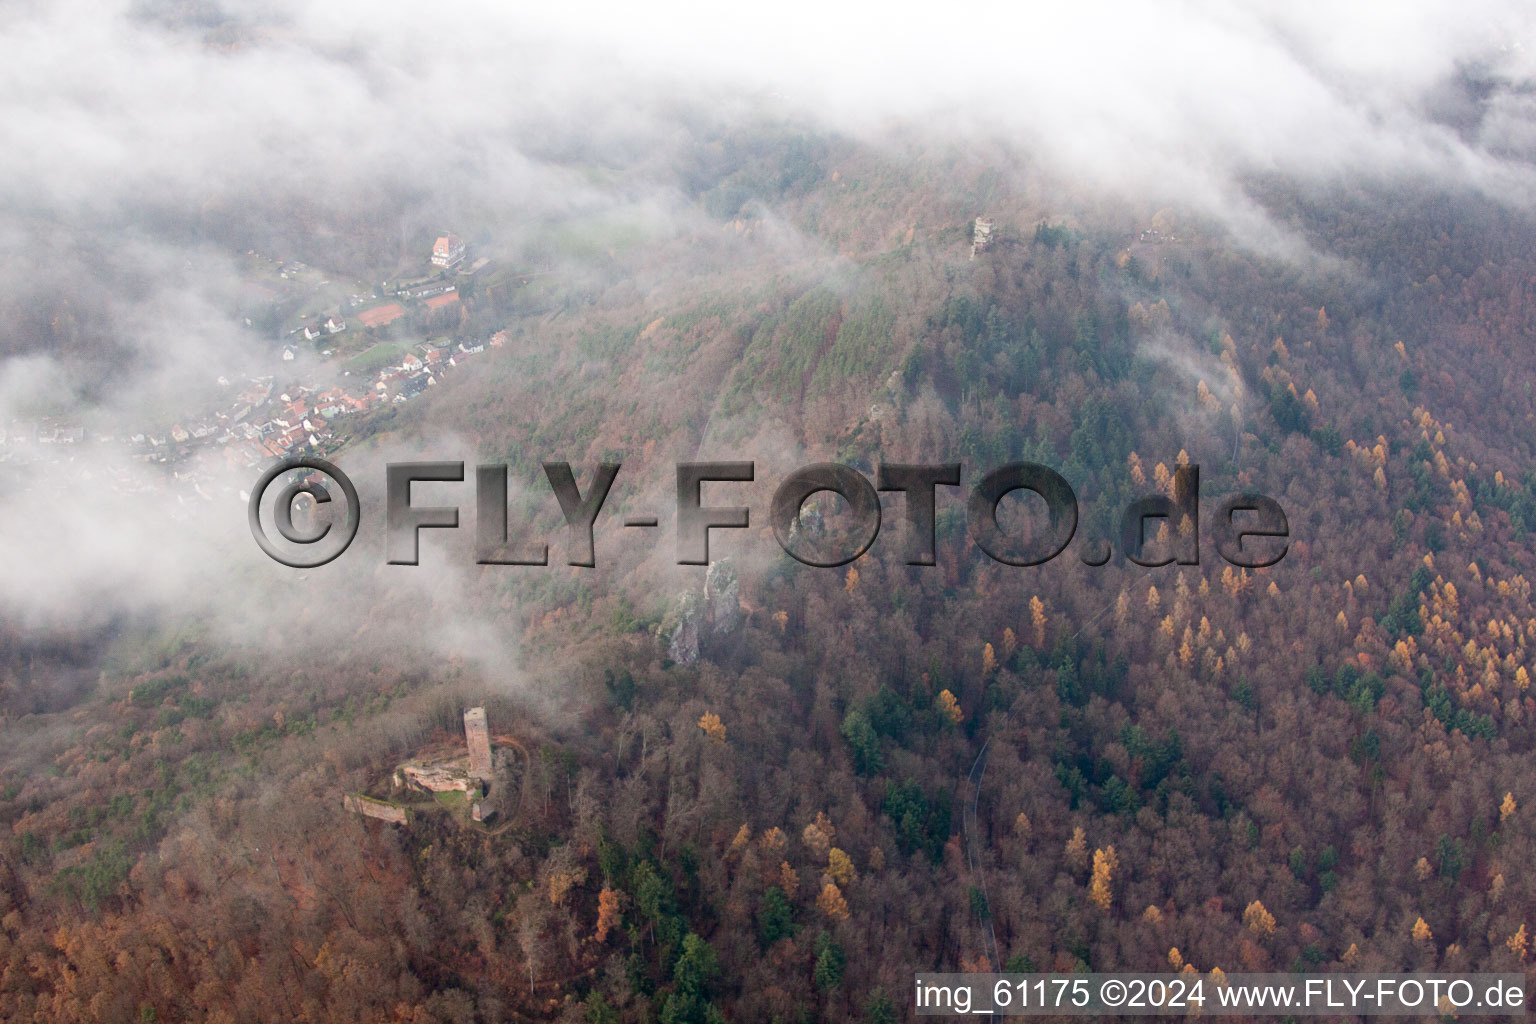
(263, 421)
(302, 415)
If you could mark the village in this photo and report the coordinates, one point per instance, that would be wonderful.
(295, 409)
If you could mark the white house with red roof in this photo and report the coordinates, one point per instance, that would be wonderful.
(447, 251)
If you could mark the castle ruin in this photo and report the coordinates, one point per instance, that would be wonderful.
(470, 770)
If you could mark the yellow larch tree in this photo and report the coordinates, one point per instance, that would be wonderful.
(1099, 887)
(1258, 919)
(1077, 850)
(773, 841)
(739, 843)
(789, 879)
(1235, 583)
(819, 835)
(831, 902)
(951, 707)
(610, 912)
(839, 866)
(712, 726)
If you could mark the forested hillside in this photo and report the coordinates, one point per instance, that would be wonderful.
(880, 768)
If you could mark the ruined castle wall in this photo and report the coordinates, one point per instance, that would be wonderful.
(371, 808)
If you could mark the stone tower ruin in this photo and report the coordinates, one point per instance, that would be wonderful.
(478, 736)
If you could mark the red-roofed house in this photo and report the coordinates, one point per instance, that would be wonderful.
(447, 251)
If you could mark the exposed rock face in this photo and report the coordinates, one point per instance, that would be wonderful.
(715, 611)
(981, 241)
(439, 776)
(721, 596)
(809, 524)
(683, 640)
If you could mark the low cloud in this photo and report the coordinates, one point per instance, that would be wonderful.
(141, 137)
